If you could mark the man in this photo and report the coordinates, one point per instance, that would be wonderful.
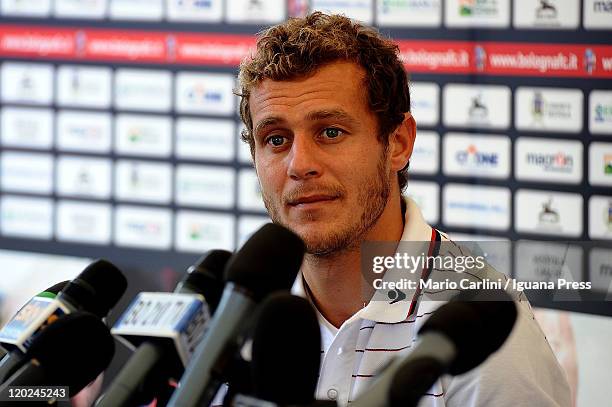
(326, 106)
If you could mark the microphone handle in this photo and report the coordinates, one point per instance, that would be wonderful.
(198, 386)
(126, 384)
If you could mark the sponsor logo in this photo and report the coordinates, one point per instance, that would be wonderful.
(199, 94)
(90, 177)
(198, 232)
(478, 111)
(143, 227)
(553, 110)
(600, 107)
(548, 212)
(476, 206)
(140, 89)
(546, 13)
(388, 6)
(598, 14)
(80, 8)
(33, 8)
(473, 158)
(477, 13)
(83, 222)
(355, 9)
(600, 164)
(265, 11)
(602, 6)
(79, 131)
(205, 139)
(478, 7)
(29, 128)
(143, 181)
(485, 106)
(559, 162)
(144, 135)
(198, 185)
(27, 83)
(546, 10)
(603, 113)
(548, 160)
(549, 109)
(25, 172)
(84, 86)
(137, 9)
(26, 217)
(205, 93)
(542, 261)
(477, 156)
(195, 10)
(548, 217)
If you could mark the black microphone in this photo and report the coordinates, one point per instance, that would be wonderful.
(14, 359)
(158, 356)
(71, 352)
(286, 352)
(96, 289)
(269, 261)
(456, 338)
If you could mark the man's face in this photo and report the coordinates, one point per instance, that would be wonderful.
(323, 173)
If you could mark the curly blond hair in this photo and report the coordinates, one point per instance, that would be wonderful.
(300, 46)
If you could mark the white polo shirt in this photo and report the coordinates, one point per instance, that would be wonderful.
(524, 372)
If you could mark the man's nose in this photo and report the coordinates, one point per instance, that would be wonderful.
(304, 159)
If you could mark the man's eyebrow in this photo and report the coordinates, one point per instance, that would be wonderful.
(268, 121)
(337, 114)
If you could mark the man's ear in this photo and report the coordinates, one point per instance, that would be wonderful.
(401, 142)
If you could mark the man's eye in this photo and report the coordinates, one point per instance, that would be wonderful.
(332, 132)
(276, 141)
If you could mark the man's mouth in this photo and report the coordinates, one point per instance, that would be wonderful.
(311, 199)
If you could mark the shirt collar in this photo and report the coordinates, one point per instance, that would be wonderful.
(415, 229)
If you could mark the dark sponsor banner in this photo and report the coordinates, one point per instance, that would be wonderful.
(444, 57)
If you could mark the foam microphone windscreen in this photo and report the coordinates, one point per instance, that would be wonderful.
(206, 276)
(286, 350)
(269, 261)
(73, 350)
(477, 321)
(98, 288)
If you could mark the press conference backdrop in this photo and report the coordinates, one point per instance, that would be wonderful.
(120, 132)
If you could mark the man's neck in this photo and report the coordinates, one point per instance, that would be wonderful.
(335, 283)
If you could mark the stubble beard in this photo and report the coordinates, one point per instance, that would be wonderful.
(374, 195)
